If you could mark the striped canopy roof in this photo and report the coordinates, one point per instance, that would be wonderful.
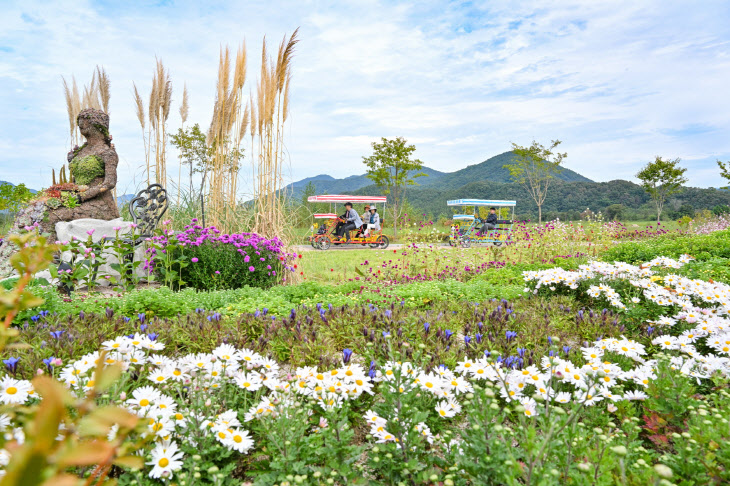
(343, 198)
(480, 202)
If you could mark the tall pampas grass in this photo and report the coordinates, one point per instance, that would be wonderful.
(269, 118)
(226, 135)
(184, 109)
(94, 95)
(158, 111)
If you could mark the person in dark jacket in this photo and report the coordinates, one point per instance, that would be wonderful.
(352, 221)
(491, 222)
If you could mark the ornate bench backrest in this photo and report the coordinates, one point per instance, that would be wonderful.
(147, 209)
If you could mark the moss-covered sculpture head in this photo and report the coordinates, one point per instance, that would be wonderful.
(93, 123)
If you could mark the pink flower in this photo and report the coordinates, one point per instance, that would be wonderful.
(251, 268)
(90, 232)
(194, 260)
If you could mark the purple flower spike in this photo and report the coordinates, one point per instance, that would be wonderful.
(346, 355)
(11, 364)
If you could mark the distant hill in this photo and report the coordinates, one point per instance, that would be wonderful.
(491, 170)
(565, 198)
(326, 184)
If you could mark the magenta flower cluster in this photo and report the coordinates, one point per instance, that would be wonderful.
(196, 235)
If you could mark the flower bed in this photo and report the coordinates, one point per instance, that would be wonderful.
(206, 259)
(634, 408)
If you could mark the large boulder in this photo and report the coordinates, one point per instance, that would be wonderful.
(99, 229)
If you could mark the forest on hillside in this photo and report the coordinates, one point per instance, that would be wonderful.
(567, 200)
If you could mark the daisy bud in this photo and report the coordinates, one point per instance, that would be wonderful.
(208, 403)
(584, 466)
(39, 372)
(619, 450)
(663, 471)
(122, 396)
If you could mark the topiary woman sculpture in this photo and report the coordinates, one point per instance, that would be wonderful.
(93, 167)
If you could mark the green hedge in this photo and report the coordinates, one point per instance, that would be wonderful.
(500, 283)
(702, 247)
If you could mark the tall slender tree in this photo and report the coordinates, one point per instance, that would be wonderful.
(392, 170)
(661, 179)
(534, 168)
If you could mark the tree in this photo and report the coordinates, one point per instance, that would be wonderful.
(12, 198)
(534, 168)
(615, 212)
(724, 171)
(392, 170)
(661, 179)
(195, 152)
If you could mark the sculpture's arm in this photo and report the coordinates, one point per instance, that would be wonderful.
(110, 176)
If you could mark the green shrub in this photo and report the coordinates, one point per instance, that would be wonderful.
(702, 247)
(215, 261)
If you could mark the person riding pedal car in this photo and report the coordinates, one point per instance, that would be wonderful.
(491, 222)
(373, 221)
(352, 221)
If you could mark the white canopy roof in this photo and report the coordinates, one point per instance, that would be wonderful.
(463, 216)
(343, 198)
(480, 202)
(324, 215)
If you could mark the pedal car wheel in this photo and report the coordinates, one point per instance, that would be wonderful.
(465, 243)
(324, 243)
(497, 243)
(452, 242)
(383, 242)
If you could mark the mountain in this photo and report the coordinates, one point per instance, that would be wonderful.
(565, 200)
(491, 170)
(326, 184)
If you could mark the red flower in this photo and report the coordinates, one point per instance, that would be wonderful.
(295, 265)
(332, 269)
(300, 255)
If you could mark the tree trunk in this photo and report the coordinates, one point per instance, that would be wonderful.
(539, 214)
(395, 220)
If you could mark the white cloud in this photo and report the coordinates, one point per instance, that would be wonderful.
(618, 82)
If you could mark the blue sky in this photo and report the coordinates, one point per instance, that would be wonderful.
(617, 81)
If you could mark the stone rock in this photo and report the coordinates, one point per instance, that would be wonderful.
(79, 229)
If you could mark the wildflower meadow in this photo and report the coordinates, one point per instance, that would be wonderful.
(541, 362)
